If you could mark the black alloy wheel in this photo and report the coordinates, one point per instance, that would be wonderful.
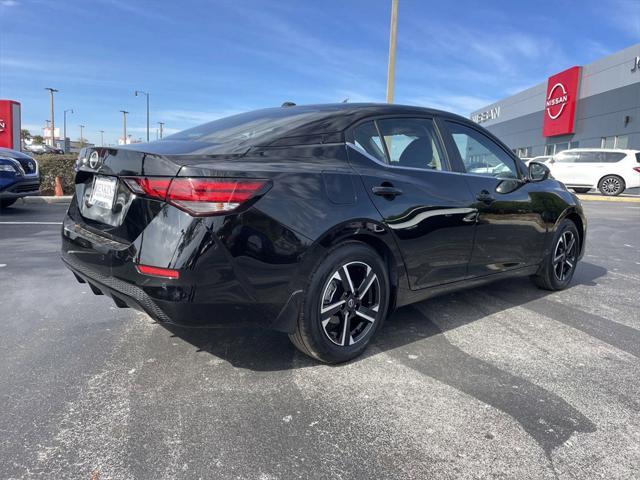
(345, 304)
(558, 267)
(565, 256)
(350, 303)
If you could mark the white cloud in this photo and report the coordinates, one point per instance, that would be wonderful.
(624, 14)
(191, 117)
(8, 3)
(460, 104)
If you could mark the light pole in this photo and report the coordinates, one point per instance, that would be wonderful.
(53, 126)
(102, 138)
(161, 127)
(391, 69)
(124, 126)
(147, 95)
(81, 136)
(64, 134)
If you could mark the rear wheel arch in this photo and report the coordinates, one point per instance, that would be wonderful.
(369, 232)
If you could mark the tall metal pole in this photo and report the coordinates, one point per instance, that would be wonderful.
(147, 117)
(124, 126)
(391, 69)
(53, 125)
(102, 138)
(81, 136)
(147, 95)
(64, 134)
(161, 126)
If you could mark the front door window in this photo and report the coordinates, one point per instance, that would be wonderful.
(480, 155)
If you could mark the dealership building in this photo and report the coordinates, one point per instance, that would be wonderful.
(595, 105)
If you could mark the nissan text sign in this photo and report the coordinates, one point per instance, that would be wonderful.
(560, 103)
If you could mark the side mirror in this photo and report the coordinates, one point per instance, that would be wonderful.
(538, 171)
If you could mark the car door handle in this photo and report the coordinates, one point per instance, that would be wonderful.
(485, 196)
(386, 191)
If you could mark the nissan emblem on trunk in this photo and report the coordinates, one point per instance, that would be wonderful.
(94, 160)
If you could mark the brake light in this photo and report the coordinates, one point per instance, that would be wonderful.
(151, 187)
(637, 169)
(158, 272)
(200, 196)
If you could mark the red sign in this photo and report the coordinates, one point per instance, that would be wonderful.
(560, 102)
(10, 124)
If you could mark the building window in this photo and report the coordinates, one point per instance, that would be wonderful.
(618, 141)
(522, 152)
(553, 148)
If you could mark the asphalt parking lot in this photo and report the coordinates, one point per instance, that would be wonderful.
(504, 381)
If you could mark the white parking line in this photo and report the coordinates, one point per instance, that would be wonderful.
(30, 223)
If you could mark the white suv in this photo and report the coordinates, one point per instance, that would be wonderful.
(611, 171)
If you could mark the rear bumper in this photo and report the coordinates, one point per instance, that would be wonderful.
(212, 291)
(123, 294)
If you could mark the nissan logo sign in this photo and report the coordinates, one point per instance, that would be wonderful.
(94, 160)
(2, 125)
(556, 101)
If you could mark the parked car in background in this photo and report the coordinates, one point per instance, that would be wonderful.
(611, 171)
(35, 148)
(41, 148)
(19, 176)
(315, 220)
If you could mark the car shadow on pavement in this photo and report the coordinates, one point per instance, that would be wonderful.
(416, 340)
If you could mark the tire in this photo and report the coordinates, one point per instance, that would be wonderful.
(581, 190)
(611, 185)
(559, 265)
(7, 202)
(352, 283)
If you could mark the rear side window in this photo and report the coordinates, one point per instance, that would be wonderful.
(366, 137)
(600, 157)
(411, 142)
(612, 157)
(638, 157)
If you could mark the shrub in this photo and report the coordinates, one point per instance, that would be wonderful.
(52, 166)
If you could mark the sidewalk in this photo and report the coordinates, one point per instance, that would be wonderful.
(602, 198)
(47, 199)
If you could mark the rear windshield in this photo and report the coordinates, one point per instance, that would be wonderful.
(251, 128)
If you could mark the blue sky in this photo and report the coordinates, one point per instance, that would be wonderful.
(204, 59)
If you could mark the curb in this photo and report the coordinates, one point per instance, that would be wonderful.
(46, 199)
(602, 198)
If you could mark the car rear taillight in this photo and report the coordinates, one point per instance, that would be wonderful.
(158, 272)
(637, 169)
(200, 196)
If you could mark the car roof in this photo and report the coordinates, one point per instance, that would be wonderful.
(344, 115)
(612, 150)
(292, 125)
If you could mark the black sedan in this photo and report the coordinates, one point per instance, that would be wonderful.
(19, 176)
(315, 220)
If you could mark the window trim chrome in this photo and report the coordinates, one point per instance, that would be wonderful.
(397, 167)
